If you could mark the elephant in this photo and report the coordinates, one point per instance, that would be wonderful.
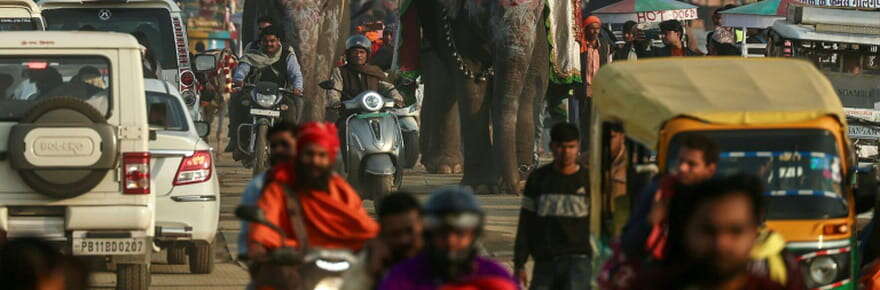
(495, 60)
(317, 30)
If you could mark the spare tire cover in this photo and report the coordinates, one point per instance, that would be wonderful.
(63, 147)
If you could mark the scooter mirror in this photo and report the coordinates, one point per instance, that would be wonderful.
(327, 85)
(250, 213)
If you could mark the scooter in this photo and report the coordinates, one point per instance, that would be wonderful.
(266, 108)
(409, 124)
(372, 143)
(318, 268)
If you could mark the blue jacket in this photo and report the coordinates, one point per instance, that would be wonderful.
(635, 233)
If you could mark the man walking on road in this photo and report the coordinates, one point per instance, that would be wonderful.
(595, 52)
(282, 149)
(553, 219)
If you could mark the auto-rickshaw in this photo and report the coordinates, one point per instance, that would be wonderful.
(778, 118)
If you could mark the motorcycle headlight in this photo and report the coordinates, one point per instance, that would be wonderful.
(823, 270)
(265, 100)
(373, 102)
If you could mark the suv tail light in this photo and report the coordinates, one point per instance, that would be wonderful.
(194, 169)
(136, 172)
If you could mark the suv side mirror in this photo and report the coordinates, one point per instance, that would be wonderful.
(203, 128)
(327, 85)
(866, 189)
(205, 62)
(158, 115)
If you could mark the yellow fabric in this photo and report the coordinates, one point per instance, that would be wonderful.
(644, 94)
(769, 246)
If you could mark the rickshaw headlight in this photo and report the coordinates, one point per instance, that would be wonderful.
(823, 270)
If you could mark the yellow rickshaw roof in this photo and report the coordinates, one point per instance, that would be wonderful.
(736, 91)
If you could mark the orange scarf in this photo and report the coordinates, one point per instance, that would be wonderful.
(334, 219)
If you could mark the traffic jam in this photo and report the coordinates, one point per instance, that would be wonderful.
(439, 144)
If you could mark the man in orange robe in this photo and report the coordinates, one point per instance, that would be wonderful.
(332, 211)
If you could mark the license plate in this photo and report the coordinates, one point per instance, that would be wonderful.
(261, 112)
(124, 246)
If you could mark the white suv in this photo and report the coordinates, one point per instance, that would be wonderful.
(75, 161)
(19, 15)
(184, 180)
(160, 20)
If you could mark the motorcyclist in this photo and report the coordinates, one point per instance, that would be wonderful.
(357, 75)
(453, 222)
(274, 62)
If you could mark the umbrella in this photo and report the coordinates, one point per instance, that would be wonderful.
(646, 11)
(756, 15)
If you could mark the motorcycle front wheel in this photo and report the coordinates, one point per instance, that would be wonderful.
(261, 150)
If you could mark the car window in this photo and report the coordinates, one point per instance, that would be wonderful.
(27, 80)
(175, 114)
(154, 22)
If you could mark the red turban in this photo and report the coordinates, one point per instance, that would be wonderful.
(323, 134)
(592, 19)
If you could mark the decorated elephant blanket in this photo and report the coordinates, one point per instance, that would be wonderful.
(563, 18)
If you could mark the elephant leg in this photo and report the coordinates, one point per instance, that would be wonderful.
(532, 105)
(515, 37)
(441, 136)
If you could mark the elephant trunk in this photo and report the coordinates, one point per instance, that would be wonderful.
(513, 45)
(313, 30)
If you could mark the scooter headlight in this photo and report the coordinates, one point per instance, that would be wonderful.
(265, 100)
(373, 102)
(823, 270)
(329, 283)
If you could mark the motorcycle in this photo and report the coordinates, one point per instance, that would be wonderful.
(266, 107)
(372, 143)
(317, 268)
(409, 123)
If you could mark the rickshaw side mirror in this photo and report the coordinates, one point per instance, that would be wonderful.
(866, 189)
(205, 62)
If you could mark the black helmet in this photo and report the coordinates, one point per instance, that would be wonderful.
(358, 41)
(455, 207)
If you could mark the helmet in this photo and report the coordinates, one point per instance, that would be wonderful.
(358, 41)
(455, 207)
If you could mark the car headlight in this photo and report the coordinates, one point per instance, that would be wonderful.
(373, 101)
(265, 100)
(823, 270)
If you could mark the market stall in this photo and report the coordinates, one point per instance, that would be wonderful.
(759, 15)
(646, 11)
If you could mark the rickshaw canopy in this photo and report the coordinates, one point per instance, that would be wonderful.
(735, 91)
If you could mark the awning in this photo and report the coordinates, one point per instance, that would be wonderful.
(756, 15)
(646, 11)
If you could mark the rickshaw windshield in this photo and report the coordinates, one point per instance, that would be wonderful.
(801, 169)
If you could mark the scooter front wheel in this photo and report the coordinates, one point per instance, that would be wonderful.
(378, 186)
